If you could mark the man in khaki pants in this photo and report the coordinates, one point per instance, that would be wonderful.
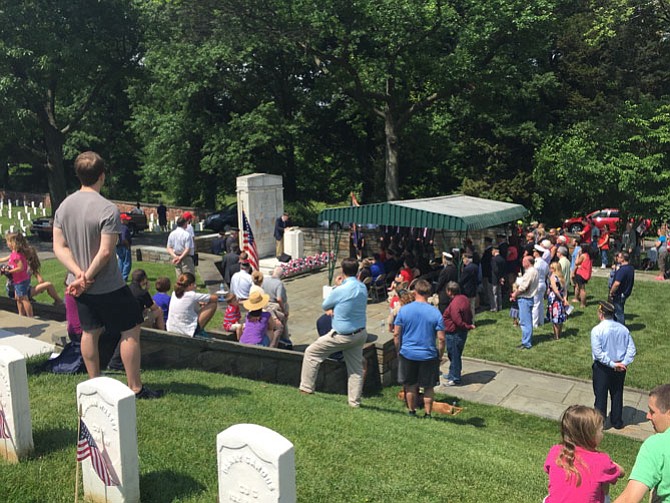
(347, 304)
(280, 226)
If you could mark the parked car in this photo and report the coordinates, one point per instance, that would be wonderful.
(43, 226)
(608, 217)
(219, 220)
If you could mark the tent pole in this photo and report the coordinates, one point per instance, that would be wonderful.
(332, 264)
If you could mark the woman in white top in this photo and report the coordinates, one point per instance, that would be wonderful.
(190, 311)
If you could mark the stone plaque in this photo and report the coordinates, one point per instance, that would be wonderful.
(16, 437)
(256, 465)
(108, 411)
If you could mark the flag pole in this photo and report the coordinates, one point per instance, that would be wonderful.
(76, 487)
(6, 427)
(102, 443)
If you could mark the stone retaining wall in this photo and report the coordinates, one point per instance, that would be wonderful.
(166, 350)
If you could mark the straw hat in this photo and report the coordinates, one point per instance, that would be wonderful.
(256, 301)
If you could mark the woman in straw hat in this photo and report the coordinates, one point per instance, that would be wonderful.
(259, 328)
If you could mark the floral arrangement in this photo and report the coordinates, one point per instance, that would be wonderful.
(300, 265)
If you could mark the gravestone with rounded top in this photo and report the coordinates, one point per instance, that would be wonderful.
(256, 464)
(108, 411)
(16, 431)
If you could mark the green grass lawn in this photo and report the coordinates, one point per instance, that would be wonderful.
(53, 271)
(647, 317)
(372, 454)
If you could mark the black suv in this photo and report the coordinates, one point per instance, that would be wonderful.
(227, 217)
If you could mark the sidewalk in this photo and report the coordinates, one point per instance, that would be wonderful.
(540, 393)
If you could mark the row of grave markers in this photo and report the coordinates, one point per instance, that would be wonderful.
(255, 464)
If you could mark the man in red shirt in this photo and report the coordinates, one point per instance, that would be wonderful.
(457, 319)
(586, 232)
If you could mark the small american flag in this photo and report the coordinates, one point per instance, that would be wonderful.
(87, 448)
(4, 427)
(249, 244)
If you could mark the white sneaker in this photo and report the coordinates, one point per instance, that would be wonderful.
(603, 266)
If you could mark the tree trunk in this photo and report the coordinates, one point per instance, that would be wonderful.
(391, 155)
(54, 140)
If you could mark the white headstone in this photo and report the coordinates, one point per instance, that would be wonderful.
(15, 405)
(11, 228)
(44, 212)
(294, 243)
(32, 204)
(255, 464)
(9, 212)
(108, 411)
(41, 205)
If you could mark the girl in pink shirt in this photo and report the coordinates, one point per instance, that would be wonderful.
(578, 473)
(18, 269)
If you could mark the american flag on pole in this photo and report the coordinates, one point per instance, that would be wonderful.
(4, 427)
(87, 448)
(248, 242)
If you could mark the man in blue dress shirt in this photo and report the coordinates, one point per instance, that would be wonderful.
(613, 351)
(347, 304)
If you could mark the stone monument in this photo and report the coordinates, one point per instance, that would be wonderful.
(108, 410)
(261, 197)
(16, 431)
(256, 465)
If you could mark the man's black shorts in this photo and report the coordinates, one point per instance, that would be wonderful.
(580, 281)
(117, 311)
(425, 373)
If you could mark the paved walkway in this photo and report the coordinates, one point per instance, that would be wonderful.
(541, 393)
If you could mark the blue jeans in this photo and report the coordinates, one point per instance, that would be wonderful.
(125, 261)
(603, 256)
(619, 302)
(455, 345)
(526, 321)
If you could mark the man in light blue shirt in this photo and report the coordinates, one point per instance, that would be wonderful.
(613, 350)
(347, 304)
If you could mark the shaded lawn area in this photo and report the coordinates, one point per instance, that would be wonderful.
(372, 454)
(647, 317)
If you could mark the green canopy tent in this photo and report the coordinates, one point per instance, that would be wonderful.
(453, 213)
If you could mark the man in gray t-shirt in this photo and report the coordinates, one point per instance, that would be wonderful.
(275, 288)
(86, 230)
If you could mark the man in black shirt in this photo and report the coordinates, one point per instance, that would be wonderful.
(447, 274)
(468, 282)
(498, 268)
(622, 287)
